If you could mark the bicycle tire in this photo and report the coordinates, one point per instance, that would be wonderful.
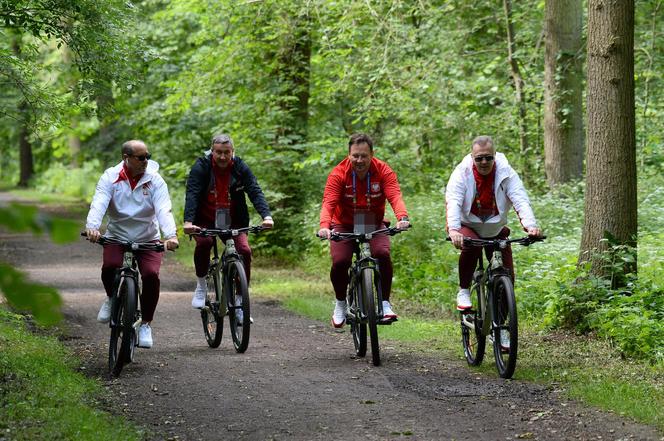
(213, 320)
(369, 296)
(358, 327)
(505, 318)
(236, 283)
(123, 334)
(474, 342)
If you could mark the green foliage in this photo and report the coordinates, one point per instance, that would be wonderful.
(75, 182)
(41, 397)
(42, 301)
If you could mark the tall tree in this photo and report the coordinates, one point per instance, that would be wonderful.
(26, 167)
(563, 91)
(517, 78)
(610, 200)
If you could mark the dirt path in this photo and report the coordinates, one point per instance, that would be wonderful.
(297, 381)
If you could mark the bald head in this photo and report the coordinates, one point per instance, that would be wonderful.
(129, 147)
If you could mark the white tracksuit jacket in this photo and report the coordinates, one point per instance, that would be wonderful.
(508, 191)
(133, 215)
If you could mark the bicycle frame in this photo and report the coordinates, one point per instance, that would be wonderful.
(483, 280)
(229, 256)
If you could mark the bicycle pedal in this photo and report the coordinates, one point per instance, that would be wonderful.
(387, 321)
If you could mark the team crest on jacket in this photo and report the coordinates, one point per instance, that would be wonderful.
(375, 186)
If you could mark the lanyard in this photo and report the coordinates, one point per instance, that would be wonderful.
(368, 190)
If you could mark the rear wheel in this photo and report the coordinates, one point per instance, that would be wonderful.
(474, 343)
(506, 328)
(239, 311)
(213, 320)
(358, 328)
(123, 335)
(369, 296)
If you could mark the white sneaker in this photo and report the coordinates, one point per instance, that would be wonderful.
(388, 314)
(239, 313)
(198, 301)
(339, 314)
(505, 340)
(145, 336)
(463, 300)
(104, 314)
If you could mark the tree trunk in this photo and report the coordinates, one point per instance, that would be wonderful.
(26, 164)
(610, 201)
(25, 147)
(516, 78)
(563, 91)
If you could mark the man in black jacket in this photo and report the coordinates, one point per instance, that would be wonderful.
(216, 186)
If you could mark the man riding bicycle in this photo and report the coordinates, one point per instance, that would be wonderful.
(355, 194)
(136, 199)
(215, 197)
(479, 194)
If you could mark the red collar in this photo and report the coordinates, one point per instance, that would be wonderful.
(124, 176)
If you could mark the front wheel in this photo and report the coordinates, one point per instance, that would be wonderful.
(358, 327)
(474, 342)
(239, 311)
(213, 320)
(505, 327)
(123, 335)
(369, 299)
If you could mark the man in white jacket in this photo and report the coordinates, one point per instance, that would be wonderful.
(136, 199)
(479, 194)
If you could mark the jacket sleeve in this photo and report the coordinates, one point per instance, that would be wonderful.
(254, 192)
(194, 189)
(100, 202)
(393, 193)
(332, 194)
(163, 208)
(454, 196)
(516, 192)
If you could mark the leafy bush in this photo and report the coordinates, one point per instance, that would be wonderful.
(76, 182)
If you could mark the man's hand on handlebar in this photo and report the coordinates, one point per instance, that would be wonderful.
(534, 232)
(190, 228)
(267, 223)
(324, 233)
(172, 244)
(93, 234)
(403, 225)
(456, 238)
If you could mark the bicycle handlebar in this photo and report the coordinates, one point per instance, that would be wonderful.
(131, 246)
(207, 232)
(501, 243)
(362, 237)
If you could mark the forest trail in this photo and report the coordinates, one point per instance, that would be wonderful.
(298, 379)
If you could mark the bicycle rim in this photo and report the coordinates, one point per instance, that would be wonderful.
(505, 329)
(123, 335)
(238, 300)
(213, 321)
(358, 328)
(369, 296)
(474, 343)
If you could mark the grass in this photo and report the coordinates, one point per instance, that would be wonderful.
(41, 395)
(586, 367)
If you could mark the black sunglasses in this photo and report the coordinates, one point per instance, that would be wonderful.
(487, 158)
(142, 157)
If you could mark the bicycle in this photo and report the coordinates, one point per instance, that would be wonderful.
(365, 297)
(494, 312)
(125, 309)
(227, 290)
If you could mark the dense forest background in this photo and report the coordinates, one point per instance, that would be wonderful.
(291, 80)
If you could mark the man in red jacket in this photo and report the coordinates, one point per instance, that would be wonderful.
(355, 194)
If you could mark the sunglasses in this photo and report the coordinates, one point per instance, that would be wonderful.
(142, 157)
(487, 158)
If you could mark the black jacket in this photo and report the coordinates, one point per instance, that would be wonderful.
(201, 181)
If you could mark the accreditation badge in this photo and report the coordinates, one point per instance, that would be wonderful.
(222, 218)
(364, 221)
